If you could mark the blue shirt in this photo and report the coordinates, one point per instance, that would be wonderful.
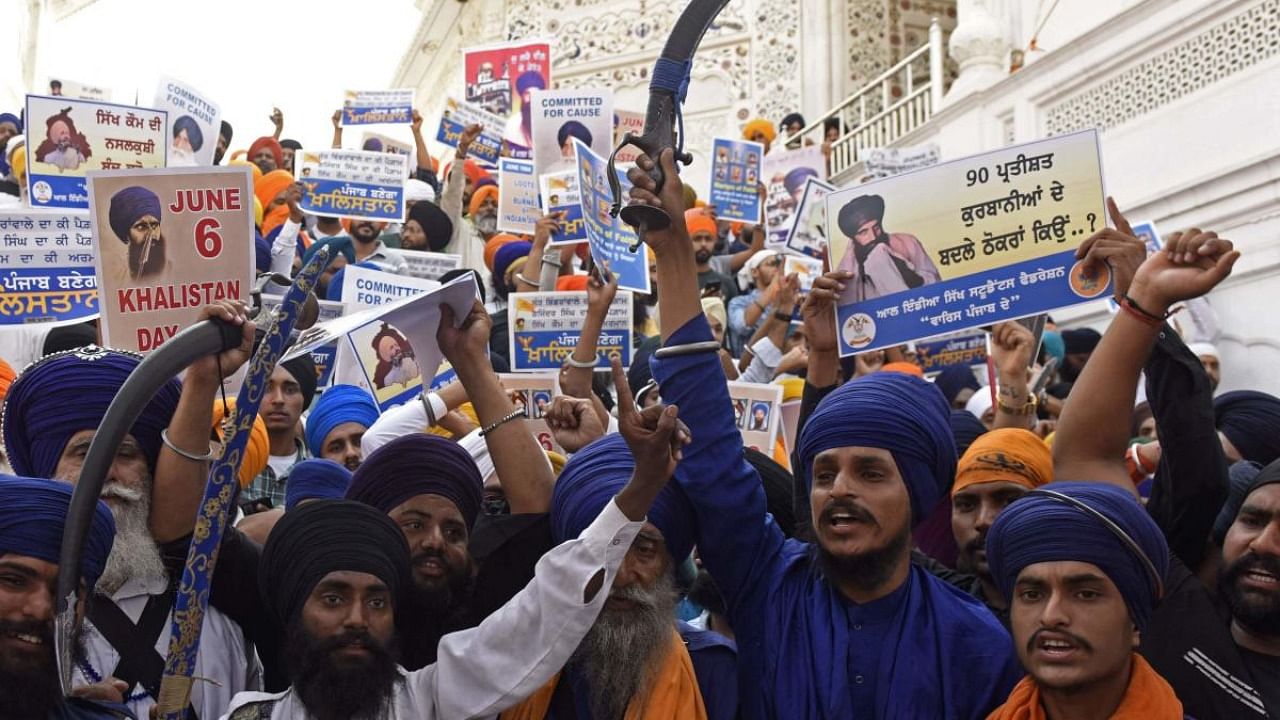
(739, 331)
(926, 650)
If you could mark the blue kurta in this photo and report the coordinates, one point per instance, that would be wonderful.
(804, 651)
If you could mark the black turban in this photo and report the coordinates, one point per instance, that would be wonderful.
(860, 211)
(419, 464)
(1251, 421)
(1080, 340)
(303, 370)
(778, 487)
(226, 131)
(293, 145)
(128, 206)
(965, 428)
(317, 538)
(434, 222)
(194, 135)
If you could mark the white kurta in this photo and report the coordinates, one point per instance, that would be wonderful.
(224, 656)
(484, 670)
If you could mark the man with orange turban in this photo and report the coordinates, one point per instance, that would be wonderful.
(266, 153)
(483, 209)
(255, 453)
(703, 233)
(998, 468)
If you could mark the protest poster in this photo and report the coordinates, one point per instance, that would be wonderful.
(785, 173)
(388, 348)
(612, 240)
(627, 121)
(501, 79)
(808, 234)
(364, 287)
(194, 122)
(967, 348)
(560, 116)
(968, 242)
(887, 162)
(533, 393)
(377, 142)
(46, 268)
(322, 356)
(355, 184)
(1146, 232)
(168, 242)
(457, 116)
(807, 269)
(430, 265)
(559, 194)
(377, 107)
(67, 138)
(545, 328)
(735, 180)
(757, 410)
(62, 88)
(518, 209)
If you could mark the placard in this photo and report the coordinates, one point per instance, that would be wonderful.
(377, 142)
(377, 107)
(735, 180)
(808, 235)
(67, 138)
(534, 392)
(518, 210)
(612, 240)
(887, 162)
(63, 88)
(364, 287)
(168, 242)
(322, 356)
(757, 410)
(195, 122)
(501, 79)
(545, 328)
(806, 269)
(968, 242)
(560, 117)
(355, 184)
(430, 265)
(967, 348)
(458, 116)
(785, 173)
(627, 121)
(559, 193)
(46, 268)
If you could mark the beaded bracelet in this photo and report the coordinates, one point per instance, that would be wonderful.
(518, 412)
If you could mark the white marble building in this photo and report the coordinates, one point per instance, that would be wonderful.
(1186, 93)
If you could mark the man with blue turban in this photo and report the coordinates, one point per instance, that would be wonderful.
(10, 127)
(316, 479)
(636, 652)
(846, 626)
(519, 130)
(33, 514)
(1249, 424)
(338, 422)
(134, 216)
(1082, 566)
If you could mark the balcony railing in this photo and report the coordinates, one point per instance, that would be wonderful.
(890, 106)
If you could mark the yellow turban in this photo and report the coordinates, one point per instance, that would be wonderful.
(1007, 455)
(759, 125)
(255, 452)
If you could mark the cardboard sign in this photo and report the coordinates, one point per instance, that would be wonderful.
(967, 348)
(627, 121)
(806, 268)
(757, 409)
(809, 231)
(195, 121)
(967, 243)
(735, 180)
(559, 192)
(501, 79)
(545, 328)
(62, 88)
(46, 268)
(377, 107)
(518, 210)
(560, 117)
(355, 184)
(430, 265)
(887, 162)
(169, 242)
(458, 116)
(611, 239)
(68, 138)
(785, 173)
(365, 287)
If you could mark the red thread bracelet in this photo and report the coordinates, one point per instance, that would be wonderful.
(1141, 315)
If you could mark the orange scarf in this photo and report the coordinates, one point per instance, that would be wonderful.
(1148, 697)
(674, 696)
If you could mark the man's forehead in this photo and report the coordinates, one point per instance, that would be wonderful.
(855, 453)
(1061, 571)
(42, 569)
(1265, 498)
(84, 436)
(991, 487)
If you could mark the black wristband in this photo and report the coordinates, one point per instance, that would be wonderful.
(784, 317)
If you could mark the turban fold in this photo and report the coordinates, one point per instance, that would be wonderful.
(62, 394)
(755, 261)
(598, 472)
(253, 169)
(759, 126)
(254, 460)
(267, 187)
(573, 128)
(900, 413)
(965, 428)
(32, 515)
(713, 307)
(1080, 340)
(792, 118)
(337, 244)
(1240, 484)
(414, 465)
(698, 221)
(268, 143)
(795, 179)
(486, 181)
(491, 247)
(128, 206)
(372, 145)
(417, 191)
(303, 369)
(195, 135)
(1040, 528)
(315, 479)
(907, 368)
(955, 378)
(315, 539)
(6, 378)
(293, 145)
(529, 80)
(11, 118)
(572, 283)
(434, 222)
(1005, 455)
(337, 405)
(1053, 344)
(507, 255)
(271, 222)
(471, 169)
(860, 211)
(1251, 421)
(479, 196)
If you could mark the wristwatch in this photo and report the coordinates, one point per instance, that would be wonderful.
(1026, 408)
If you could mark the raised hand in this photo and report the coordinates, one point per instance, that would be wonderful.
(206, 369)
(1011, 347)
(655, 435)
(819, 311)
(277, 119)
(293, 196)
(600, 295)
(469, 135)
(416, 125)
(670, 199)
(337, 120)
(544, 228)
(1191, 264)
(573, 422)
(1117, 248)
(468, 341)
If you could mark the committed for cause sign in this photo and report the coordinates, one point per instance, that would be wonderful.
(169, 242)
(968, 242)
(195, 119)
(46, 268)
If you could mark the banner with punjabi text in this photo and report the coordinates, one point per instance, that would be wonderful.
(545, 328)
(356, 184)
(377, 107)
(67, 138)
(46, 268)
(735, 180)
(968, 242)
(168, 242)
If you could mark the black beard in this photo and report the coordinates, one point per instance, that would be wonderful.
(155, 261)
(1255, 611)
(31, 689)
(702, 257)
(341, 690)
(868, 570)
(431, 608)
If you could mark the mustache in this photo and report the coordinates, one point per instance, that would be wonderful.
(1251, 561)
(42, 630)
(349, 638)
(1035, 639)
(636, 594)
(976, 544)
(120, 492)
(849, 507)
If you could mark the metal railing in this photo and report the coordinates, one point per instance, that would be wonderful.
(874, 117)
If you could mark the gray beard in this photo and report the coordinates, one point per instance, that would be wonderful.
(134, 552)
(623, 648)
(487, 224)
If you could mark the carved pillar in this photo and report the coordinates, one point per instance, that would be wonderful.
(978, 44)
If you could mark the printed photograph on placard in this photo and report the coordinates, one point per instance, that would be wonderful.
(785, 173)
(560, 195)
(562, 116)
(735, 180)
(808, 234)
(757, 409)
(501, 80)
